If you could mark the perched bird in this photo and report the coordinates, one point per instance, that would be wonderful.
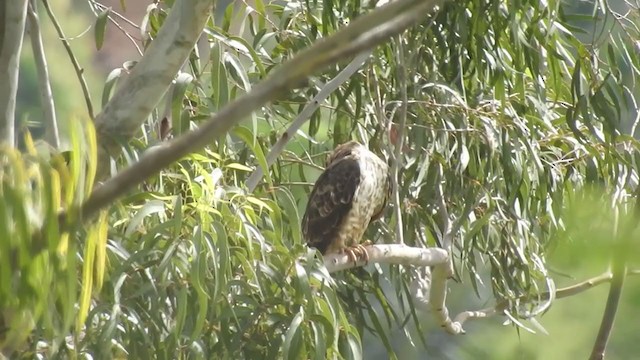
(353, 191)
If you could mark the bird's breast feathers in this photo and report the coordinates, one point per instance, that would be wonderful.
(371, 193)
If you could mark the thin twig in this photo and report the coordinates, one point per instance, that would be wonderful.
(72, 57)
(379, 109)
(122, 17)
(46, 95)
(399, 144)
(133, 40)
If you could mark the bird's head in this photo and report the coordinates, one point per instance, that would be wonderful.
(342, 150)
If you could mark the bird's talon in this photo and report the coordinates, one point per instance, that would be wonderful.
(357, 253)
(364, 253)
(351, 254)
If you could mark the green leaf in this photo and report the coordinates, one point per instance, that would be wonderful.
(249, 139)
(149, 208)
(182, 301)
(87, 276)
(350, 346)
(380, 332)
(262, 13)
(102, 227)
(257, 60)
(288, 203)
(219, 80)
(100, 27)
(198, 275)
(341, 129)
(110, 84)
(292, 345)
(177, 93)
(319, 341)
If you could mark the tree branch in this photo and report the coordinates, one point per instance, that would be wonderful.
(363, 33)
(421, 287)
(399, 144)
(46, 95)
(149, 79)
(388, 254)
(306, 113)
(11, 35)
(442, 272)
(461, 318)
(565, 292)
(618, 273)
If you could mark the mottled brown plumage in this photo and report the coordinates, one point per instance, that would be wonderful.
(352, 191)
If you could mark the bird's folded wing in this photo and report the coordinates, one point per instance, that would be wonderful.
(330, 202)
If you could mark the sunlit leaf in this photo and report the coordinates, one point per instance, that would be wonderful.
(293, 338)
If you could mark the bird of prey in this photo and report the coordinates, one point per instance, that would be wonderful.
(352, 192)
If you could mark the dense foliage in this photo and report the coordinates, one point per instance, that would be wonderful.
(505, 109)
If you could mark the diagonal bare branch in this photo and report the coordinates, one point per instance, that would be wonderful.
(12, 21)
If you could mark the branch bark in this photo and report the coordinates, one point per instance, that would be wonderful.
(389, 254)
(364, 33)
(13, 18)
(618, 273)
(442, 272)
(150, 78)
